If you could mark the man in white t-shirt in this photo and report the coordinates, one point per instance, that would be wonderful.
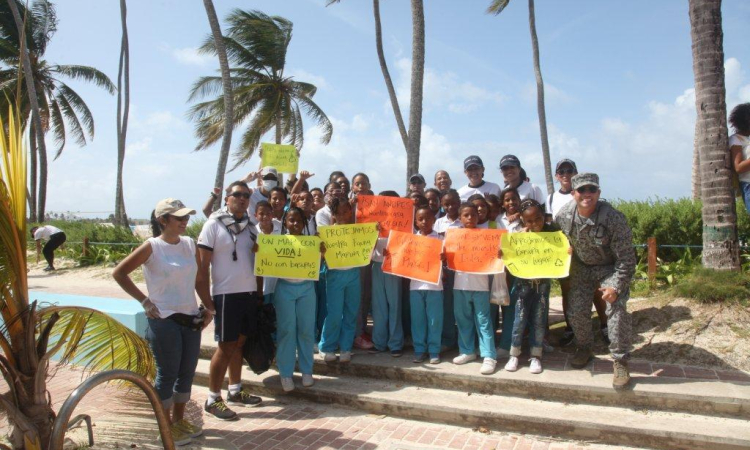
(226, 246)
(54, 236)
(564, 171)
(269, 180)
(510, 166)
(474, 170)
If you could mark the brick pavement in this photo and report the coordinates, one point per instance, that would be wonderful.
(122, 419)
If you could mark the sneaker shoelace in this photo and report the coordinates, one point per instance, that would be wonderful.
(620, 370)
(220, 405)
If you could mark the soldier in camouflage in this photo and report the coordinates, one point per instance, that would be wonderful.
(603, 260)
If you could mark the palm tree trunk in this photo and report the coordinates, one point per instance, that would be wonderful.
(35, 117)
(226, 82)
(123, 111)
(387, 76)
(696, 175)
(417, 84)
(720, 246)
(540, 100)
(32, 172)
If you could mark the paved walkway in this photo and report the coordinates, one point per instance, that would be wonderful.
(122, 419)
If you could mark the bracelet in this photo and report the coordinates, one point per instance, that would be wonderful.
(214, 195)
(144, 300)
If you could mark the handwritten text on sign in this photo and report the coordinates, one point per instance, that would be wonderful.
(537, 255)
(473, 250)
(414, 257)
(284, 256)
(392, 213)
(348, 245)
(281, 157)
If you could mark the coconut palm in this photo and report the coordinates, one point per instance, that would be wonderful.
(61, 110)
(226, 86)
(496, 7)
(123, 111)
(31, 334)
(263, 96)
(720, 245)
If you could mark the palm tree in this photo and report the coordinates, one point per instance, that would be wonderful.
(31, 334)
(720, 245)
(60, 108)
(123, 111)
(256, 46)
(496, 7)
(226, 85)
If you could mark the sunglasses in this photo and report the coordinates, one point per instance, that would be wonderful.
(566, 172)
(587, 189)
(244, 195)
(181, 218)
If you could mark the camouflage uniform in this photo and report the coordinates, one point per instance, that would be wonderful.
(603, 256)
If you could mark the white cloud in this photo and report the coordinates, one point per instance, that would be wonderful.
(192, 57)
(552, 94)
(307, 77)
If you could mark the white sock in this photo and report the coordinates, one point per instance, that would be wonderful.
(235, 388)
(212, 396)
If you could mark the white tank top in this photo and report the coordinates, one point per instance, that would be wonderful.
(170, 274)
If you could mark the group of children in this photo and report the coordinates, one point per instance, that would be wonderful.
(334, 310)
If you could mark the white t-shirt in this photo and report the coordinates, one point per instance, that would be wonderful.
(485, 189)
(512, 227)
(744, 142)
(229, 276)
(323, 216)
(255, 197)
(415, 285)
(443, 223)
(556, 201)
(170, 274)
(530, 190)
(43, 233)
(269, 283)
(377, 252)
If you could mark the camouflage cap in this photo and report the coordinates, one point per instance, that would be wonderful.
(585, 179)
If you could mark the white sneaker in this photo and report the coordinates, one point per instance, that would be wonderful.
(463, 359)
(502, 353)
(328, 357)
(535, 366)
(488, 366)
(345, 357)
(307, 380)
(512, 364)
(287, 384)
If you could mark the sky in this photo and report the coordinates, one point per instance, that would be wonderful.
(618, 87)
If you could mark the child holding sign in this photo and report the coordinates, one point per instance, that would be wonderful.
(342, 297)
(471, 296)
(533, 297)
(267, 224)
(450, 202)
(426, 301)
(295, 315)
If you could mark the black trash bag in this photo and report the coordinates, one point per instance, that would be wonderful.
(259, 349)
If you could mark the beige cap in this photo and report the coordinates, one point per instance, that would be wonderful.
(172, 207)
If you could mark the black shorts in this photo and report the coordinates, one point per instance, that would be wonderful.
(236, 314)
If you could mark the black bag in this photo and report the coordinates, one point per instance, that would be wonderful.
(259, 349)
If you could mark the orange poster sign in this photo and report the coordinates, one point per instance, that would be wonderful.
(473, 250)
(414, 257)
(392, 213)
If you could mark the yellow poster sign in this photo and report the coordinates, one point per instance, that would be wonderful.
(286, 256)
(349, 245)
(536, 255)
(283, 158)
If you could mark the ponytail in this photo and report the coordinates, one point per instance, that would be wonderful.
(156, 227)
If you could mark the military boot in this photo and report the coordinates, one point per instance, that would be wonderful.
(621, 377)
(581, 357)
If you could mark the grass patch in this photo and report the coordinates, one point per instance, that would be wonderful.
(714, 286)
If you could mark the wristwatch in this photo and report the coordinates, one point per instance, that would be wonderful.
(214, 194)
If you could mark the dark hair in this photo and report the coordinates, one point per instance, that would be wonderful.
(156, 226)
(361, 174)
(451, 192)
(336, 203)
(522, 174)
(492, 198)
(530, 203)
(237, 183)
(335, 174)
(419, 199)
(465, 205)
(331, 183)
(739, 118)
(263, 204)
(277, 189)
(506, 191)
(389, 194)
(304, 187)
(434, 191)
(301, 213)
(316, 189)
(477, 197)
(32, 230)
(423, 208)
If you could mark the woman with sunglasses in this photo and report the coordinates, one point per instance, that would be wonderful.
(170, 266)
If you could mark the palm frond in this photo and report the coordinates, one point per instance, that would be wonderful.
(82, 109)
(97, 341)
(72, 118)
(57, 125)
(86, 73)
(317, 114)
(44, 24)
(497, 6)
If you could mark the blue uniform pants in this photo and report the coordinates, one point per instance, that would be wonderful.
(387, 329)
(426, 321)
(449, 319)
(295, 326)
(472, 310)
(342, 304)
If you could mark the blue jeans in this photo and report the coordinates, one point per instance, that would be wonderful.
(320, 306)
(175, 349)
(531, 310)
(295, 325)
(342, 303)
(387, 329)
(745, 188)
(472, 310)
(426, 321)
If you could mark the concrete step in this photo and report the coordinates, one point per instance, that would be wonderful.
(555, 383)
(604, 424)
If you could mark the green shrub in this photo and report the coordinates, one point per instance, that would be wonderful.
(709, 286)
(194, 229)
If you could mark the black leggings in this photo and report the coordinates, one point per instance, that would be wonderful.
(48, 251)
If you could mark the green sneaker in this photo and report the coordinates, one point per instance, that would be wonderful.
(220, 410)
(179, 436)
(191, 430)
(243, 398)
